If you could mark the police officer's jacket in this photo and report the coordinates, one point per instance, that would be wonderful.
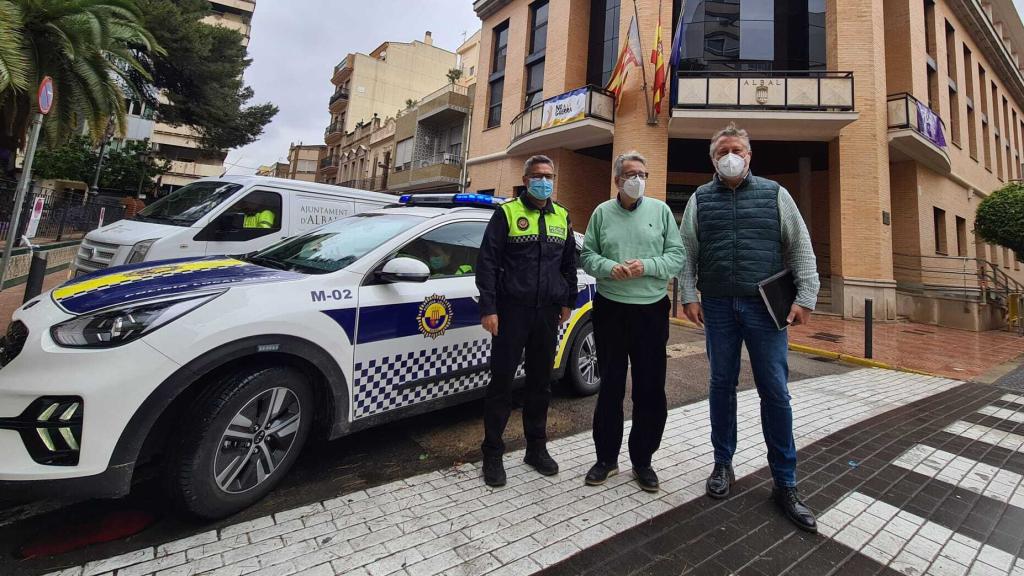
(528, 257)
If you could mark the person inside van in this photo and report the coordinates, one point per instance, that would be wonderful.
(259, 219)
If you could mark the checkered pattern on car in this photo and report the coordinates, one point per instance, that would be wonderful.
(377, 381)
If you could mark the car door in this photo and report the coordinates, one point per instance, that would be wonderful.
(264, 221)
(418, 342)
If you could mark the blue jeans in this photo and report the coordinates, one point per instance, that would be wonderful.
(728, 322)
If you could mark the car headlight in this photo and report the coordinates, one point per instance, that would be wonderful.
(119, 326)
(139, 251)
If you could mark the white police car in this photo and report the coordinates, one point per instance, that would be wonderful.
(225, 366)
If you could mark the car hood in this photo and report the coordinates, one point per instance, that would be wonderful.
(127, 284)
(130, 232)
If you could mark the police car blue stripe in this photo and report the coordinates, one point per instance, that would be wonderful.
(377, 323)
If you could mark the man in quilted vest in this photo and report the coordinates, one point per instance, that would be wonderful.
(739, 230)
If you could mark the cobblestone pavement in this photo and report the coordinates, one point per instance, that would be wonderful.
(448, 522)
(1014, 380)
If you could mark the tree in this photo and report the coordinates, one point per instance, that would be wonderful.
(95, 51)
(201, 76)
(454, 74)
(1000, 218)
(123, 168)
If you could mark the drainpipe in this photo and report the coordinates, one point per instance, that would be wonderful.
(465, 149)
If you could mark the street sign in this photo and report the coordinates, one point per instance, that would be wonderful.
(33, 221)
(45, 95)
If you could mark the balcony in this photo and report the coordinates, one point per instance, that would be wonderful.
(916, 133)
(434, 174)
(444, 106)
(580, 118)
(800, 105)
(334, 131)
(340, 95)
(375, 184)
(329, 163)
(341, 68)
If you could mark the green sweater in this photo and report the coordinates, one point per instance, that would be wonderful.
(649, 234)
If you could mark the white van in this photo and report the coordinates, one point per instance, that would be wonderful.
(223, 215)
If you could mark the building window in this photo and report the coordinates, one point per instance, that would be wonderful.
(1007, 142)
(603, 45)
(939, 216)
(403, 155)
(1016, 261)
(496, 82)
(972, 119)
(950, 52)
(455, 144)
(961, 237)
(986, 128)
(954, 116)
(535, 59)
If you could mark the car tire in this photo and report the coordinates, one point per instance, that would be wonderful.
(240, 438)
(583, 375)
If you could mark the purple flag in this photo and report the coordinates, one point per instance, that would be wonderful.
(929, 125)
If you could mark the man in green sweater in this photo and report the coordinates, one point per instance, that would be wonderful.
(633, 248)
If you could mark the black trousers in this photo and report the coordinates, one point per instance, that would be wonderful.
(637, 334)
(536, 331)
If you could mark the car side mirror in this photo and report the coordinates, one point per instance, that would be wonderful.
(231, 221)
(404, 269)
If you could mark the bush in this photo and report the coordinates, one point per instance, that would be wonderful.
(1000, 218)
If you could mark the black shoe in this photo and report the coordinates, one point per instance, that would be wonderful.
(789, 500)
(541, 460)
(646, 478)
(720, 481)
(600, 472)
(494, 471)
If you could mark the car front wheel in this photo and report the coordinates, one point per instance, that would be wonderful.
(239, 439)
(584, 376)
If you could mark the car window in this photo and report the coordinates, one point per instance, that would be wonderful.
(262, 210)
(337, 244)
(450, 250)
(188, 204)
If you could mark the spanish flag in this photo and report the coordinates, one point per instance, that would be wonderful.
(629, 55)
(658, 59)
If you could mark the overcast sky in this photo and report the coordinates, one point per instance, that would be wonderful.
(295, 45)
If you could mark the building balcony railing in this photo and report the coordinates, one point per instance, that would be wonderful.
(572, 106)
(808, 105)
(342, 94)
(916, 132)
(375, 184)
(441, 171)
(334, 128)
(328, 162)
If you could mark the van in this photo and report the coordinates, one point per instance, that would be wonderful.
(223, 215)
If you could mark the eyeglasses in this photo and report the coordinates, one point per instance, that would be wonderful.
(541, 176)
(640, 175)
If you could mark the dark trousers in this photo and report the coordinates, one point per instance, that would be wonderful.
(637, 334)
(536, 331)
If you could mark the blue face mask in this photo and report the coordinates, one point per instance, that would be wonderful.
(540, 188)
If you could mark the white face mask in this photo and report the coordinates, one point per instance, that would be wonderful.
(731, 165)
(633, 188)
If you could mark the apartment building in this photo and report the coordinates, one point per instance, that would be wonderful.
(179, 144)
(888, 121)
(275, 170)
(469, 58)
(380, 84)
(303, 161)
(362, 158)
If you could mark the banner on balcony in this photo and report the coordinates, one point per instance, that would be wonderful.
(929, 125)
(568, 107)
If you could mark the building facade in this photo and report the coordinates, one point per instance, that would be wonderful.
(275, 170)
(429, 142)
(362, 157)
(179, 144)
(888, 121)
(469, 58)
(303, 161)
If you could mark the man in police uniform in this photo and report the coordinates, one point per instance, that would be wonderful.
(526, 273)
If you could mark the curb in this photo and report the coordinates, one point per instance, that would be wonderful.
(857, 360)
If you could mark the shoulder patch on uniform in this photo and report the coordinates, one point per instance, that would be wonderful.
(522, 223)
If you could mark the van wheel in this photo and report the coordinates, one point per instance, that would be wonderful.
(584, 377)
(239, 439)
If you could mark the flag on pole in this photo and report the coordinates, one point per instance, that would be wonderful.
(629, 55)
(677, 45)
(658, 59)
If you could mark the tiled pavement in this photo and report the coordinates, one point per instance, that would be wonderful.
(448, 522)
(920, 347)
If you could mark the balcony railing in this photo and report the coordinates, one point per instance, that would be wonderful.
(328, 162)
(346, 63)
(798, 90)
(342, 94)
(375, 184)
(332, 129)
(905, 111)
(445, 158)
(572, 106)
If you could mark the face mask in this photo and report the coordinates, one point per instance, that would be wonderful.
(437, 262)
(540, 188)
(634, 188)
(731, 165)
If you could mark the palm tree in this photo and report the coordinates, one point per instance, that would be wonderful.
(93, 49)
(453, 75)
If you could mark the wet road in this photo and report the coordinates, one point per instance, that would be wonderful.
(414, 446)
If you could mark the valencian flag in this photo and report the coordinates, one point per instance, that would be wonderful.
(629, 55)
(658, 59)
(677, 45)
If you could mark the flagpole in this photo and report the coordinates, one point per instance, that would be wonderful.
(651, 120)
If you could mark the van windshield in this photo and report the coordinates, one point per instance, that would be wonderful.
(187, 204)
(335, 245)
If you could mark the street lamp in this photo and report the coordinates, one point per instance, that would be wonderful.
(107, 135)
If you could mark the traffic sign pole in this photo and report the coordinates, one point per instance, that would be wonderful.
(23, 184)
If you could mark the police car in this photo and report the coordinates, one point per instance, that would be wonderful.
(226, 366)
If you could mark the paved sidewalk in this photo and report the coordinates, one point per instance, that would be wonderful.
(448, 522)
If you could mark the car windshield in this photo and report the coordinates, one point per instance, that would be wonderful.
(186, 205)
(336, 245)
